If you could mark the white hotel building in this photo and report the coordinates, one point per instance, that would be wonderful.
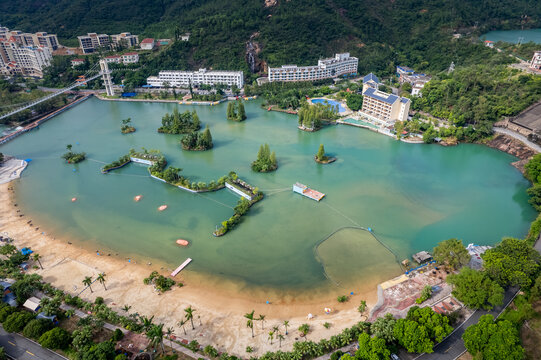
(340, 64)
(381, 106)
(16, 59)
(179, 78)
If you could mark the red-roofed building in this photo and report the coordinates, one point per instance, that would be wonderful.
(113, 59)
(148, 44)
(489, 43)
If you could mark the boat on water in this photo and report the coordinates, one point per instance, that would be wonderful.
(182, 242)
(138, 197)
(306, 191)
(162, 208)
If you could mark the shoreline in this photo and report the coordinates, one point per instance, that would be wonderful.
(221, 314)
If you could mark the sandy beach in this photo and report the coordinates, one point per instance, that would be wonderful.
(219, 309)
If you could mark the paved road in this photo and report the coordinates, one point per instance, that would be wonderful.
(518, 137)
(18, 347)
(453, 346)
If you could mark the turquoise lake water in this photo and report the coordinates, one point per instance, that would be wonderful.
(512, 36)
(413, 196)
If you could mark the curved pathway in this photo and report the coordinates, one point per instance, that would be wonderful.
(518, 137)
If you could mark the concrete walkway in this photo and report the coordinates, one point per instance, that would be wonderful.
(519, 137)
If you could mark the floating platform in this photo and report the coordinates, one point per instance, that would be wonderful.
(306, 191)
(182, 266)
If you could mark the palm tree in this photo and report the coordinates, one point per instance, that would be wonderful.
(36, 258)
(262, 319)
(126, 308)
(181, 324)
(155, 335)
(362, 307)
(250, 322)
(286, 324)
(88, 282)
(280, 338)
(271, 336)
(275, 329)
(146, 322)
(101, 279)
(170, 331)
(189, 315)
(68, 147)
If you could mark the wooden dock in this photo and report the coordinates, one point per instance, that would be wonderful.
(182, 266)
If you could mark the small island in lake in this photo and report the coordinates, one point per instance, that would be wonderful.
(322, 158)
(72, 157)
(311, 117)
(266, 161)
(178, 123)
(126, 128)
(197, 141)
(235, 111)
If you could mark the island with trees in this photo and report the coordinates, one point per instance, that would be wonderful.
(311, 117)
(266, 161)
(73, 157)
(180, 123)
(321, 158)
(197, 141)
(235, 111)
(126, 128)
(251, 196)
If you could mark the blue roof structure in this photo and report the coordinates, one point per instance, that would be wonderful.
(391, 99)
(405, 69)
(370, 77)
(404, 100)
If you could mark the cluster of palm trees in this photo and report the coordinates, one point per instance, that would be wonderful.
(188, 316)
(88, 281)
(275, 332)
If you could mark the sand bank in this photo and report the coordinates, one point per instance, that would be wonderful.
(219, 309)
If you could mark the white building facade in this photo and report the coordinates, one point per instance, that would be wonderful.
(125, 39)
(340, 64)
(179, 78)
(24, 60)
(28, 39)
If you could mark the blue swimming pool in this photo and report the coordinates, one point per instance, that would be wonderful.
(341, 109)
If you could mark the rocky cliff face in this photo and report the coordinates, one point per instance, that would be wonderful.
(253, 49)
(513, 147)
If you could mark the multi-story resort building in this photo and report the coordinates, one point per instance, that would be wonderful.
(28, 39)
(417, 81)
(536, 61)
(381, 106)
(16, 59)
(340, 64)
(125, 39)
(92, 41)
(128, 58)
(179, 78)
(148, 44)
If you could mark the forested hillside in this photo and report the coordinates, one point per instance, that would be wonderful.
(381, 33)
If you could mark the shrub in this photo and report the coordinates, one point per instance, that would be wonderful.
(425, 294)
(336, 355)
(210, 351)
(193, 345)
(342, 298)
(121, 357)
(17, 321)
(5, 312)
(99, 300)
(117, 335)
(56, 338)
(37, 327)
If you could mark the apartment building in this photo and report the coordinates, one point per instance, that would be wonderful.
(92, 41)
(16, 59)
(382, 106)
(28, 39)
(178, 78)
(536, 61)
(125, 39)
(340, 64)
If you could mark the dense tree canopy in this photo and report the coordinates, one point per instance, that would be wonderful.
(451, 253)
(476, 289)
(512, 262)
(372, 348)
(493, 340)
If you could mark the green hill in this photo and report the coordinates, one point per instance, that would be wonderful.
(380, 33)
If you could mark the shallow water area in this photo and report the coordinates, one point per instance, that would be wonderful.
(513, 36)
(413, 196)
